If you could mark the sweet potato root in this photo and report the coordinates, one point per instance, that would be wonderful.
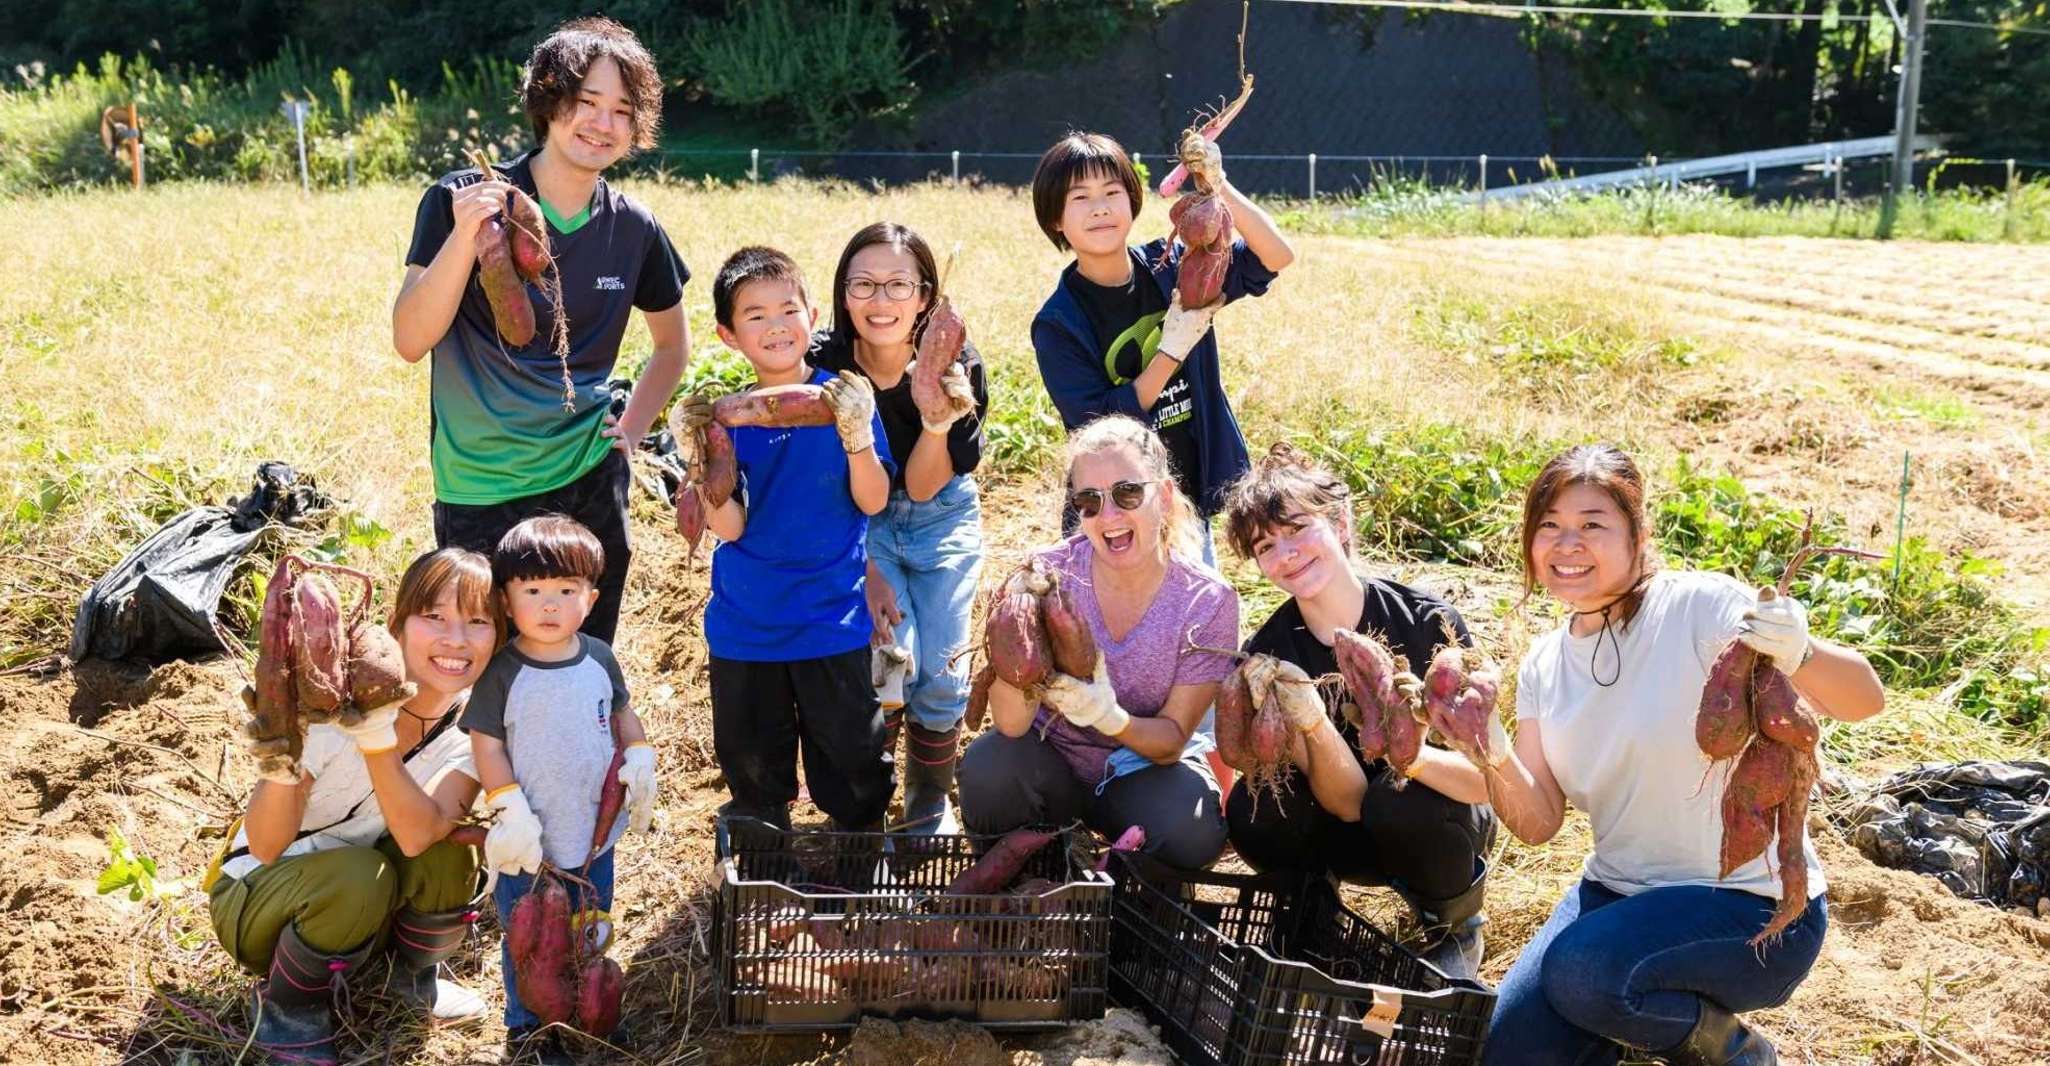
(320, 652)
(940, 341)
(1072, 646)
(1001, 864)
(1723, 725)
(1780, 713)
(376, 668)
(1234, 715)
(599, 987)
(1759, 784)
(511, 310)
(1015, 632)
(547, 972)
(978, 697)
(527, 236)
(1792, 853)
(775, 406)
(1203, 224)
(690, 517)
(722, 472)
(611, 796)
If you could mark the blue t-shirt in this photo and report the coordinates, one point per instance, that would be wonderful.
(791, 587)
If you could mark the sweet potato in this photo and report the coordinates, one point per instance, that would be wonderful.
(511, 310)
(1405, 740)
(320, 648)
(1001, 864)
(1203, 224)
(1792, 853)
(598, 991)
(546, 973)
(376, 668)
(722, 472)
(1778, 709)
(1723, 724)
(1068, 638)
(978, 697)
(1132, 839)
(1369, 672)
(527, 236)
(775, 406)
(1267, 737)
(690, 516)
(940, 341)
(1234, 715)
(1757, 786)
(611, 796)
(1015, 633)
(273, 722)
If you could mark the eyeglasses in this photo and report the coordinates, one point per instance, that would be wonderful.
(898, 289)
(1128, 495)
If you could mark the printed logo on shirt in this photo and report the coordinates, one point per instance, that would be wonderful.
(1175, 406)
(604, 706)
(608, 283)
(1144, 336)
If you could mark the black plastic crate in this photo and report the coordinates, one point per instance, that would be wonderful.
(813, 930)
(1266, 970)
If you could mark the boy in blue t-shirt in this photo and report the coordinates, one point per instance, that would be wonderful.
(787, 624)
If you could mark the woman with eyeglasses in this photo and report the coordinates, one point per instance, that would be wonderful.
(1425, 832)
(1651, 950)
(1120, 748)
(925, 548)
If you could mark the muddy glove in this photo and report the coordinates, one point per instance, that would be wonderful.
(637, 773)
(376, 731)
(267, 744)
(1300, 703)
(688, 415)
(1088, 704)
(958, 398)
(1777, 628)
(1182, 329)
(889, 667)
(514, 844)
(854, 406)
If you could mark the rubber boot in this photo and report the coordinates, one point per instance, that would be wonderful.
(930, 757)
(294, 1004)
(1450, 929)
(420, 944)
(1721, 1039)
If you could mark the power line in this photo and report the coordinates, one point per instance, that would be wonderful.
(1519, 10)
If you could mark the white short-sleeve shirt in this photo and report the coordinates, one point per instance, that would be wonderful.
(1625, 753)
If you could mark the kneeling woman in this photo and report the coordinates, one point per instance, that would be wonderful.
(1360, 821)
(1121, 748)
(1650, 950)
(331, 864)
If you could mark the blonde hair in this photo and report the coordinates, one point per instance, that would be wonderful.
(1184, 536)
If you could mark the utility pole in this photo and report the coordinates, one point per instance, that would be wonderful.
(1904, 117)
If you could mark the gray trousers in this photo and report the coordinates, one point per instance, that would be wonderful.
(1007, 782)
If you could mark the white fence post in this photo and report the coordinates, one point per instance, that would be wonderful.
(957, 166)
(2013, 188)
(754, 164)
(1313, 175)
(1751, 175)
(1484, 179)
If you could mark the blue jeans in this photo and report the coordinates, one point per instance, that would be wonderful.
(513, 886)
(931, 554)
(1610, 971)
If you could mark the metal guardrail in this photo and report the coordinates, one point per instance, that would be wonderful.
(1711, 166)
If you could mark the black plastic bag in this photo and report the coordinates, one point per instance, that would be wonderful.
(161, 602)
(1981, 828)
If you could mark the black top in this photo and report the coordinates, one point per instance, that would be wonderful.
(1412, 622)
(1127, 321)
(901, 424)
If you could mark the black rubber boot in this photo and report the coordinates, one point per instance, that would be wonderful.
(1720, 1039)
(1450, 929)
(294, 1004)
(420, 944)
(930, 757)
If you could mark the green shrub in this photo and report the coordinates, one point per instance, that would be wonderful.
(826, 65)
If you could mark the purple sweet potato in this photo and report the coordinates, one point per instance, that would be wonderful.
(1758, 785)
(1723, 724)
(775, 406)
(1068, 638)
(1001, 864)
(599, 986)
(1234, 716)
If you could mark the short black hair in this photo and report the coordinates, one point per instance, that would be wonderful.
(1074, 158)
(556, 71)
(752, 263)
(547, 546)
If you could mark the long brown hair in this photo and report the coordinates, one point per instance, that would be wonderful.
(902, 238)
(430, 576)
(1610, 469)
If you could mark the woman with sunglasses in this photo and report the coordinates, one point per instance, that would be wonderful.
(1120, 748)
(1427, 834)
(925, 548)
(1651, 949)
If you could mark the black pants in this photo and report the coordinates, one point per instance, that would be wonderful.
(765, 714)
(1007, 782)
(1415, 837)
(598, 500)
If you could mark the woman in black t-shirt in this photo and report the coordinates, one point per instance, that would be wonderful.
(925, 548)
(1336, 813)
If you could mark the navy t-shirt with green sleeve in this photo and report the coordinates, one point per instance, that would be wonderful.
(791, 587)
(500, 428)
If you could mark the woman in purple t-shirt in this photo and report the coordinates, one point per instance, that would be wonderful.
(1122, 748)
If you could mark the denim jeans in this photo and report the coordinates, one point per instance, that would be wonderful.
(513, 886)
(931, 554)
(1609, 972)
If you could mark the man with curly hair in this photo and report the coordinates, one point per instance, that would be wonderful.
(507, 443)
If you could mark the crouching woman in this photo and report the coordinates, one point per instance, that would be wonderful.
(347, 855)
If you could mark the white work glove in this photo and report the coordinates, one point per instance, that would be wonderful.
(854, 407)
(688, 415)
(637, 773)
(889, 667)
(514, 844)
(1777, 628)
(1088, 704)
(376, 731)
(957, 397)
(1182, 329)
(1300, 702)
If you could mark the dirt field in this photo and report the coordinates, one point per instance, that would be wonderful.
(1827, 362)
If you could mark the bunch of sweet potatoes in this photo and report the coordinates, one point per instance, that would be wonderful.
(711, 473)
(1253, 715)
(315, 665)
(563, 976)
(1032, 627)
(1201, 219)
(512, 253)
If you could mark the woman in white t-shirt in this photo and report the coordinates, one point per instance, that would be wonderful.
(350, 854)
(1651, 950)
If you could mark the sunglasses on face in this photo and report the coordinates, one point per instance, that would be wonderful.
(896, 289)
(1128, 495)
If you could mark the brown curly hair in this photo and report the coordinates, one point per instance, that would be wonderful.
(560, 62)
(1283, 483)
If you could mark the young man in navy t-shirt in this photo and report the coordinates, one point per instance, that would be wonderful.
(788, 624)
